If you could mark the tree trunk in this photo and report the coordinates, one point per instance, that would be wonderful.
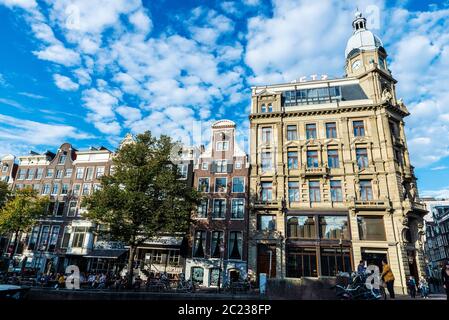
(132, 253)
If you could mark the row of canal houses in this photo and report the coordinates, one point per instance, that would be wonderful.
(64, 237)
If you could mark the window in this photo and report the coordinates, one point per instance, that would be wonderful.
(183, 171)
(270, 107)
(51, 208)
(45, 232)
(86, 189)
(203, 184)
(199, 244)
(59, 173)
(371, 228)
(197, 275)
(60, 205)
(79, 173)
(334, 227)
(202, 208)
(336, 194)
(39, 173)
(361, 157)
(334, 260)
(72, 209)
(238, 208)
(221, 166)
(79, 234)
(65, 238)
(205, 166)
(89, 174)
(292, 133)
(5, 168)
(235, 245)
(50, 173)
(311, 131)
(301, 262)
(238, 164)
(266, 162)
(312, 159)
(266, 135)
(55, 189)
(173, 257)
(33, 238)
(214, 275)
(216, 244)
(221, 185)
(30, 175)
(65, 188)
(382, 64)
(301, 227)
(62, 159)
(366, 191)
(238, 184)
(54, 237)
(22, 174)
(331, 130)
(46, 189)
(314, 191)
(292, 160)
(222, 145)
(293, 191)
(219, 209)
(359, 128)
(68, 173)
(36, 187)
(263, 108)
(76, 189)
(332, 159)
(267, 191)
(96, 187)
(266, 222)
(100, 172)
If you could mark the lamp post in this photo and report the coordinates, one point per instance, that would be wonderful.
(221, 266)
(340, 242)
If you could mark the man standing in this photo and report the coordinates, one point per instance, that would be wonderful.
(388, 277)
(361, 269)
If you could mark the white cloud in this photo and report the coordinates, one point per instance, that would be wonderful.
(65, 83)
(25, 4)
(439, 168)
(31, 95)
(443, 193)
(29, 132)
(58, 54)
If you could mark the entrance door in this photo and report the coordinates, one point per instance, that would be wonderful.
(411, 255)
(266, 260)
(374, 258)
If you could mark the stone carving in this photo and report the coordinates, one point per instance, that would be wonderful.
(386, 95)
(409, 190)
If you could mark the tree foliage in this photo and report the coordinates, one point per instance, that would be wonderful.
(143, 197)
(21, 211)
(4, 193)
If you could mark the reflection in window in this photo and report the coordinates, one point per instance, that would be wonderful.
(334, 227)
(293, 191)
(371, 228)
(266, 222)
(221, 184)
(301, 227)
(266, 191)
(197, 275)
(312, 159)
(334, 260)
(203, 184)
(311, 131)
(366, 191)
(202, 209)
(292, 159)
(314, 191)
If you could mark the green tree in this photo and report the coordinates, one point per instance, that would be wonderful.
(4, 193)
(21, 212)
(143, 197)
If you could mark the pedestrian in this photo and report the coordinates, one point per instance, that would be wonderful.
(388, 277)
(445, 278)
(411, 283)
(424, 287)
(61, 281)
(361, 269)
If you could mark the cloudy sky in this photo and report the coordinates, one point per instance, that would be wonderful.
(89, 71)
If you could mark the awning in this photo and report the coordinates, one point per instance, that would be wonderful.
(106, 254)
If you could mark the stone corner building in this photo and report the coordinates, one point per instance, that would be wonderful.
(331, 181)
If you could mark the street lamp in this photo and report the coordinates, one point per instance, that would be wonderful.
(221, 266)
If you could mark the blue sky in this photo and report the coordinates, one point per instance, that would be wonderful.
(89, 71)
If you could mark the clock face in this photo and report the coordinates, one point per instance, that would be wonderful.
(356, 64)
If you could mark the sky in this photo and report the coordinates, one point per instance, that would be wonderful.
(90, 71)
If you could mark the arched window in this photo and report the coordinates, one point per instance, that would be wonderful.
(263, 108)
(270, 107)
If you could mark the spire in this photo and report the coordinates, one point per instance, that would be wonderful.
(359, 22)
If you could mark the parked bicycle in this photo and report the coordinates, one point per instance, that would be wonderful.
(353, 287)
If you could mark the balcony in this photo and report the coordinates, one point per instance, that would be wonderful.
(380, 204)
(320, 171)
(415, 207)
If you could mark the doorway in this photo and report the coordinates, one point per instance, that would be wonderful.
(374, 257)
(266, 260)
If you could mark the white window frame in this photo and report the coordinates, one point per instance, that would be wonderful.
(220, 145)
(213, 209)
(205, 166)
(215, 185)
(244, 184)
(232, 206)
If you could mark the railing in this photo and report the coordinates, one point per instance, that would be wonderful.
(313, 171)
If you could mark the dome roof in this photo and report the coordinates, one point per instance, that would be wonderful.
(362, 39)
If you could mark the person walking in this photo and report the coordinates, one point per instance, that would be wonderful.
(424, 287)
(411, 283)
(388, 277)
(361, 269)
(445, 278)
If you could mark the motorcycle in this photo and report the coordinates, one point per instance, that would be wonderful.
(355, 287)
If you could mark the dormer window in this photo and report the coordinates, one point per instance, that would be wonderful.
(62, 159)
(382, 64)
(222, 145)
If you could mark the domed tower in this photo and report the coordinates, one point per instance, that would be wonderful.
(366, 59)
